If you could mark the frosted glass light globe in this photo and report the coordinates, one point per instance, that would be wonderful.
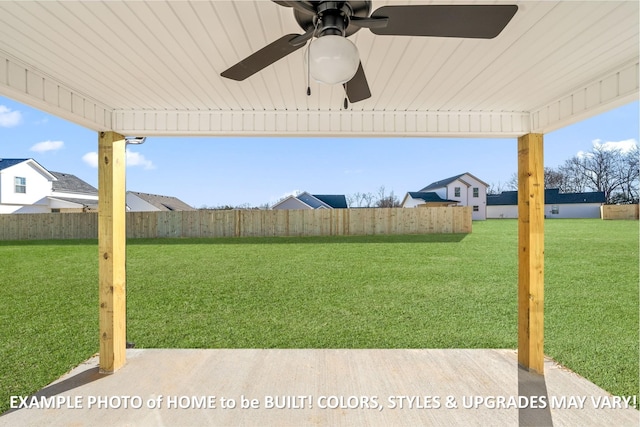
(333, 59)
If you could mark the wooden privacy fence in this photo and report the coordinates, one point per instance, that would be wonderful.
(244, 223)
(619, 211)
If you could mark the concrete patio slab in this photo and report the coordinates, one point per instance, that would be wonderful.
(321, 387)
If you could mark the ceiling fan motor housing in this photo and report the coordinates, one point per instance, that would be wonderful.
(333, 18)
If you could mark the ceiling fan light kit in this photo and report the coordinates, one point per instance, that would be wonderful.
(333, 59)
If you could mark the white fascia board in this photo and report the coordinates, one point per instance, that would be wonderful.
(322, 123)
(37, 166)
(613, 89)
(34, 88)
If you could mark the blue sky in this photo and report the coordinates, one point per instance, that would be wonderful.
(235, 171)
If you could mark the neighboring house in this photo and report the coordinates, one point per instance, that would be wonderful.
(143, 202)
(27, 187)
(556, 204)
(313, 201)
(464, 189)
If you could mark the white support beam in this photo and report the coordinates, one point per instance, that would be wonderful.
(322, 123)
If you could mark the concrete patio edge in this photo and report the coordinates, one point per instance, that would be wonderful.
(287, 387)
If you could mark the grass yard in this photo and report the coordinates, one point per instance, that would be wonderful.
(431, 291)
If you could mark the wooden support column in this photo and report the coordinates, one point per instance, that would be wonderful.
(112, 248)
(531, 252)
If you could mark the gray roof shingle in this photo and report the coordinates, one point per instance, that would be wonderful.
(441, 183)
(68, 183)
(164, 203)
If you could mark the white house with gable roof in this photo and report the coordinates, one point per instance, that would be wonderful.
(27, 187)
(460, 190)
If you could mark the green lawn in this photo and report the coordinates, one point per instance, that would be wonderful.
(433, 291)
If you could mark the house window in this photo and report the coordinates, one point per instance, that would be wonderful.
(456, 192)
(476, 209)
(55, 210)
(555, 209)
(476, 192)
(21, 185)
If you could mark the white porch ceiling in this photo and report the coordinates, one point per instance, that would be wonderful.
(153, 68)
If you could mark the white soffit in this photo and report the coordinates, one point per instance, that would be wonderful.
(153, 68)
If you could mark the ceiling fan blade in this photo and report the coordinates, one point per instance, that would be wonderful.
(369, 22)
(357, 88)
(301, 39)
(469, 21)
(263, 58)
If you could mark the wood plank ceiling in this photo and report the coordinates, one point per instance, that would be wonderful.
(153, 68)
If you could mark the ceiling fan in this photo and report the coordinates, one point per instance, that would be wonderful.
(333, 59)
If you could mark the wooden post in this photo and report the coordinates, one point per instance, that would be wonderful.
(531, 253)
(112, 247)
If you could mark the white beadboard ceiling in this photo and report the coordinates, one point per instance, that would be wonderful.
(153, 68)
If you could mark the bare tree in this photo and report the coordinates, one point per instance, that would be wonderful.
(496, 188)
(367, 200)
(575, 181)
(598, 169)
(553, 178)
(360, 200)
(629, 178)
(512, 184)
(384, 201)
(610, 170)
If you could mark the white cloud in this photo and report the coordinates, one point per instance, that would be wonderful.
(137, 159)
(9, 118)
(133, 159)
(91, 159)
(43, 146)
(624, 146)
